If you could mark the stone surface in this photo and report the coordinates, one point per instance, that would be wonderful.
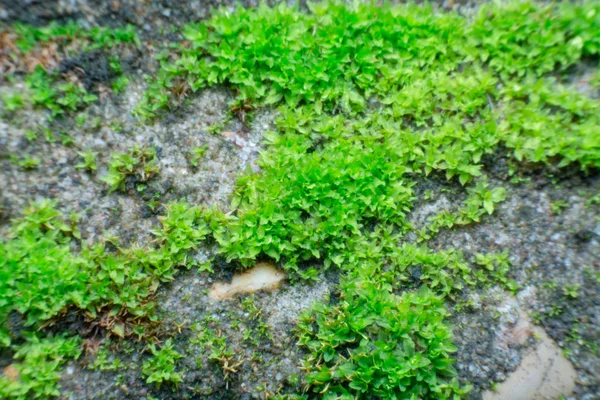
(544, 373)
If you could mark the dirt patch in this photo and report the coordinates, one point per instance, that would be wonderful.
(12, 59)
(91, 68)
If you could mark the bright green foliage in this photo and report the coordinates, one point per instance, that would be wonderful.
(39, 276)
(102, 363)
(373, 100)
(332, 55)
(38, 367)
(30, 135)
(26, 162)
(88, 161)
(453, 127)
(572, 290)
(12, 101)
(519, 37)
(161, 366)
(371, 97)
(582, 22)
(343, 54)
(558, 207)
(378, 344)
(208, 340)
(96, 37)
(545, 121)
(481, 199)
(115, 64)
(119, 284)
(45, 90)
(182, 229)
(124, 280)
(195, 155)
(328, 175)
(325, 178)
(339, 56)
(494, 268)
(446, 272)
(119, 84)
(139, 163)
(487, 198)
(310, 204)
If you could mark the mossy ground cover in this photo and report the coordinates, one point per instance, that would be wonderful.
(46, 56)
(372, 100)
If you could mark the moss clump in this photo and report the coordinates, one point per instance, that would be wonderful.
(376, 343)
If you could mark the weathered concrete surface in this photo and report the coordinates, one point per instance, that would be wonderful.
(544, 373)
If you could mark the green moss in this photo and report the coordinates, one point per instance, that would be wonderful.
(214, 345)
(37, 369)
(519, 37)
(544, 121)
(358, 166)
(196, 154)
(341, 55)
(372, 100)
(139, 163)
(26, 162)
(378, 344)
(160, 367)
(311, 204)
(41, 276)
(481, 200)
(105, 361)
(88, 161)
(29, 37)
(47, 88)
(281, 54)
